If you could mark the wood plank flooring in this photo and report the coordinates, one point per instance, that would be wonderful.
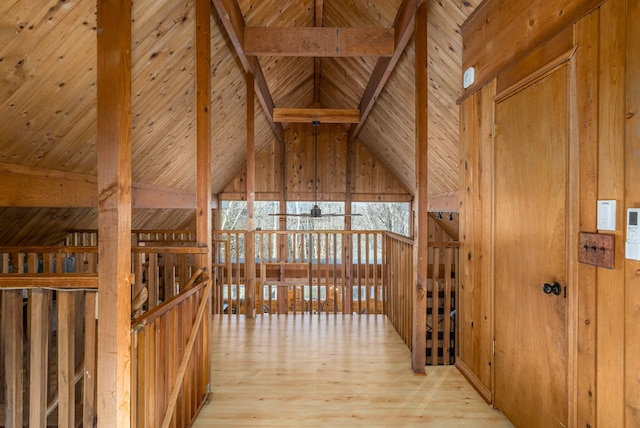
(331, 370)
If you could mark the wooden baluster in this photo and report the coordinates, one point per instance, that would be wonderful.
(66, 360)
(12, 344)
(435, 306)
(446, 345)
(40, 328)
(153, 280)
(90, 361)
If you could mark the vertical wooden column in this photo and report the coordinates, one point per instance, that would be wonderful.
(283, 292)
(114, 212)
(347, 293)
(204, 218)
(250, 244)
(421, 235)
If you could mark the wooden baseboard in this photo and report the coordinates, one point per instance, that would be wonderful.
(471, 377)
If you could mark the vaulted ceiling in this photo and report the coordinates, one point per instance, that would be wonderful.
(48, 96)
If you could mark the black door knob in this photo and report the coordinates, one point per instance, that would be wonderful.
(553, 288)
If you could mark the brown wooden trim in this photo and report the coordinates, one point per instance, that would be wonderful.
(250, 249)
(484, 392)
(322, 115)
(501, 23)
(61, 281)
(318, 41)
(153, 314)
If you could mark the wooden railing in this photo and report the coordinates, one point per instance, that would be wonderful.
(303, 271)
(48, 330)
(48, 336)
(441, 295)
(399, 274)
(170, 362)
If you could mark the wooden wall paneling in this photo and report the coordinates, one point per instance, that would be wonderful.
(114, 213)
(584, 131)
(500, 32)
(484, 302)
(611, 165)
(475, 295)
(421, 235)
(632, 198)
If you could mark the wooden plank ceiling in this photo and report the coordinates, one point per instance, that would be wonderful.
(48, 96)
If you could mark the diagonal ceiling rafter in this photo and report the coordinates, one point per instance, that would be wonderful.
(404, 27)
(233, 21)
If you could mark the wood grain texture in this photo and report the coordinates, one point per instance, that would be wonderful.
(611, 166)
(585, 131)
(310, 115)
(114, 213)
(502, 32)
(632, 195)
(318, 41)
(307, 374)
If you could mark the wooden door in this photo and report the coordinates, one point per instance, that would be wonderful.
(531, 149)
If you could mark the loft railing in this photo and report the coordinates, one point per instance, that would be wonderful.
(170, 359)
(48, 335)
(302, 272)
(48, 329)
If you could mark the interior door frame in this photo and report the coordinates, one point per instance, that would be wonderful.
(565, 59)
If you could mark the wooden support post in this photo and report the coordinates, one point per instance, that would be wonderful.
(114, 212)
(250, 247)
(283, 292)
(347, 294)
(66, 360)
(204, 216)
(40, 326)
(421, 234)
(89, 373)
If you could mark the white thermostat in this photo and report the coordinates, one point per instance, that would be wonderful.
(468, 77)
(632, 246)
(607, 215)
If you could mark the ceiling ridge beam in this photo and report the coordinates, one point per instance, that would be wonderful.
(404, 28)
(319, 41)
(233, 23)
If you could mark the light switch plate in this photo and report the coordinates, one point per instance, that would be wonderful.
(607, 214)
(597, 249)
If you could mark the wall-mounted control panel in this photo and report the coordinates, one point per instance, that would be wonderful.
(632, 245)
(597, 249)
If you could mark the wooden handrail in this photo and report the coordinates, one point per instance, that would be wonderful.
(187, 356)
(162, 309)
(50, 249)
(171, 250)
(59, 281)
(398, 237)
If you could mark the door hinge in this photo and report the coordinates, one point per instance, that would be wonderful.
(565, 291)
(495, 130)
(208, 388)
(493, 347)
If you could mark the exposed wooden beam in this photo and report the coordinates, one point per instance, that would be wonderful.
(204, 215)
(233, 22)
(114, 212)
(421, 233)
(404, 27)
(318, 41)
(250, 247)
(24, 186)
(322, 115)
(445, 202)
(317, 62)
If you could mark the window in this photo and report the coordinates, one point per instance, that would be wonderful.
(391, 216)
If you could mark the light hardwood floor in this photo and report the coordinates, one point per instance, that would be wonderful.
(330, 370)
